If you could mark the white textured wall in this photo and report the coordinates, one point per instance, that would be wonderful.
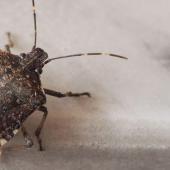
(126, 124)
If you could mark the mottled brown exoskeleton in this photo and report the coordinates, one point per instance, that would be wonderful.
(21, 92)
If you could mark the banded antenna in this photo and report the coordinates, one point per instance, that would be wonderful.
(85, 54)
(67, 56)
(35, 24)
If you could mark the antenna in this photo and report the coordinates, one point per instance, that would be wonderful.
(35, 24)
(84, 54)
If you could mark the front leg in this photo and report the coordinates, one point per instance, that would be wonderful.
(40, 127)
(68, 94)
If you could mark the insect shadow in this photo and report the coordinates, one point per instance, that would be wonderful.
(159, 50)
(164, 58)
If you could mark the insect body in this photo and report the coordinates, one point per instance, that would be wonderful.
(21, 92)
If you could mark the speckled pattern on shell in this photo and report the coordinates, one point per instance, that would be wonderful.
(20, 94)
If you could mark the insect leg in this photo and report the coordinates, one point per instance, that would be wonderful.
(10, 43)
(68, 94)
(27, 138)
(0, 150)
(40, 127)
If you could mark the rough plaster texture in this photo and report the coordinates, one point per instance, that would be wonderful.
(126, 124)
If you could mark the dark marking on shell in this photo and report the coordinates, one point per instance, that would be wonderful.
(20, 92)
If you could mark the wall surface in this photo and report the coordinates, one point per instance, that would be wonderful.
(126, 123)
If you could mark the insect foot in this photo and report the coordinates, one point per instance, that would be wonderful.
(27, 138)
(29, 142)
(70, 94)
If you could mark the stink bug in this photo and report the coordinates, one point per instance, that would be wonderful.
(21, 92)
